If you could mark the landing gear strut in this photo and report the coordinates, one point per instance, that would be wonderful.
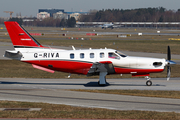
(102, 78)
(148, 82)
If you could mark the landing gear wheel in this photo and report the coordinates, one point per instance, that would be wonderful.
(148, 83)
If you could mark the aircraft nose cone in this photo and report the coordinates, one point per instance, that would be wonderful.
(171, 62)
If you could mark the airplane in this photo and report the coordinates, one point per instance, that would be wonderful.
(111, 25)
(104, 26)
(88, 62)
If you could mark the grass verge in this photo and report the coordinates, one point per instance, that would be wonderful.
(64, 111)
(143, 93)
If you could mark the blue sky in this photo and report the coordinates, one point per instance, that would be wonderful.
(30, 7)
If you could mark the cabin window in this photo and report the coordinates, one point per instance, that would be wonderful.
(102, 55)
(113, 55)
(81, 55)
(72, 55)
(91, 55)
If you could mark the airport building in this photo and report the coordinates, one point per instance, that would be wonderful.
(76, 15)
(43, 15)
(51, 11)
(58, 13)
(131, 24)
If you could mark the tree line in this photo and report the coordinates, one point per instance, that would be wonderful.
(159, 14)
(50, 22)
(47, 22)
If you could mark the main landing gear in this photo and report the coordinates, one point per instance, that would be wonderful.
(148, 82)
(102, 78)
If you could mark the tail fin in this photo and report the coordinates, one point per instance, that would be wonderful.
(19, 36)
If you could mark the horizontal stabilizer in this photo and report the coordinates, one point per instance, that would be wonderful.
(43, 68)
(13, 54)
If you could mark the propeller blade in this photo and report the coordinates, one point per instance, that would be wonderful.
(169, 54)
(168, 72)
(168, 67)
(169, 63)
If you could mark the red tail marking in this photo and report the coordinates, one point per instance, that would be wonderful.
(19, 36)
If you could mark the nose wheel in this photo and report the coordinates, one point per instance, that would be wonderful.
(148, 82)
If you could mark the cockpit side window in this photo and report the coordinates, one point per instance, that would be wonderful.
(121, 54)
(113, 55)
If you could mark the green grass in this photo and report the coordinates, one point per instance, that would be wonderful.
(64, 111)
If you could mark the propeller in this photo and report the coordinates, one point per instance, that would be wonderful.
(168, 67)
(169, 62)
(168, 53)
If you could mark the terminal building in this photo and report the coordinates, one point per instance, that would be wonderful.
(58, 13)
(43, 15)
(51, 11)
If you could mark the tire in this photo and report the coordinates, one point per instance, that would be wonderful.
(148, 83)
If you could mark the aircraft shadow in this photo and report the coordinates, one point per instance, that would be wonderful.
(95, 84)
(89, 84)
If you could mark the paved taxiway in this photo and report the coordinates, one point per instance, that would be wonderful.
(131, 83)
(55, 91)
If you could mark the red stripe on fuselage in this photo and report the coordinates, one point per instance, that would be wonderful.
(136, 71)
(80, 67)
(64, 66)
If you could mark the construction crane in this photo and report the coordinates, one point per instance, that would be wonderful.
(10, 12)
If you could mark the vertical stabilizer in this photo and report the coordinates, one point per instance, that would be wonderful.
(19, 36)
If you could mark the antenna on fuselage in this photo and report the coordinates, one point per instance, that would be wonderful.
(73, 48)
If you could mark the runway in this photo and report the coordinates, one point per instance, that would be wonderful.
(55, 91)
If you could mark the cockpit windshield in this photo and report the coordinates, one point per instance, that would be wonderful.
(121, 54)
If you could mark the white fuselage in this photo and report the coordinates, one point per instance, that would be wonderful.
(67, 60)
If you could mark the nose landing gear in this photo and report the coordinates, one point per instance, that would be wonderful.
(148, 82)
